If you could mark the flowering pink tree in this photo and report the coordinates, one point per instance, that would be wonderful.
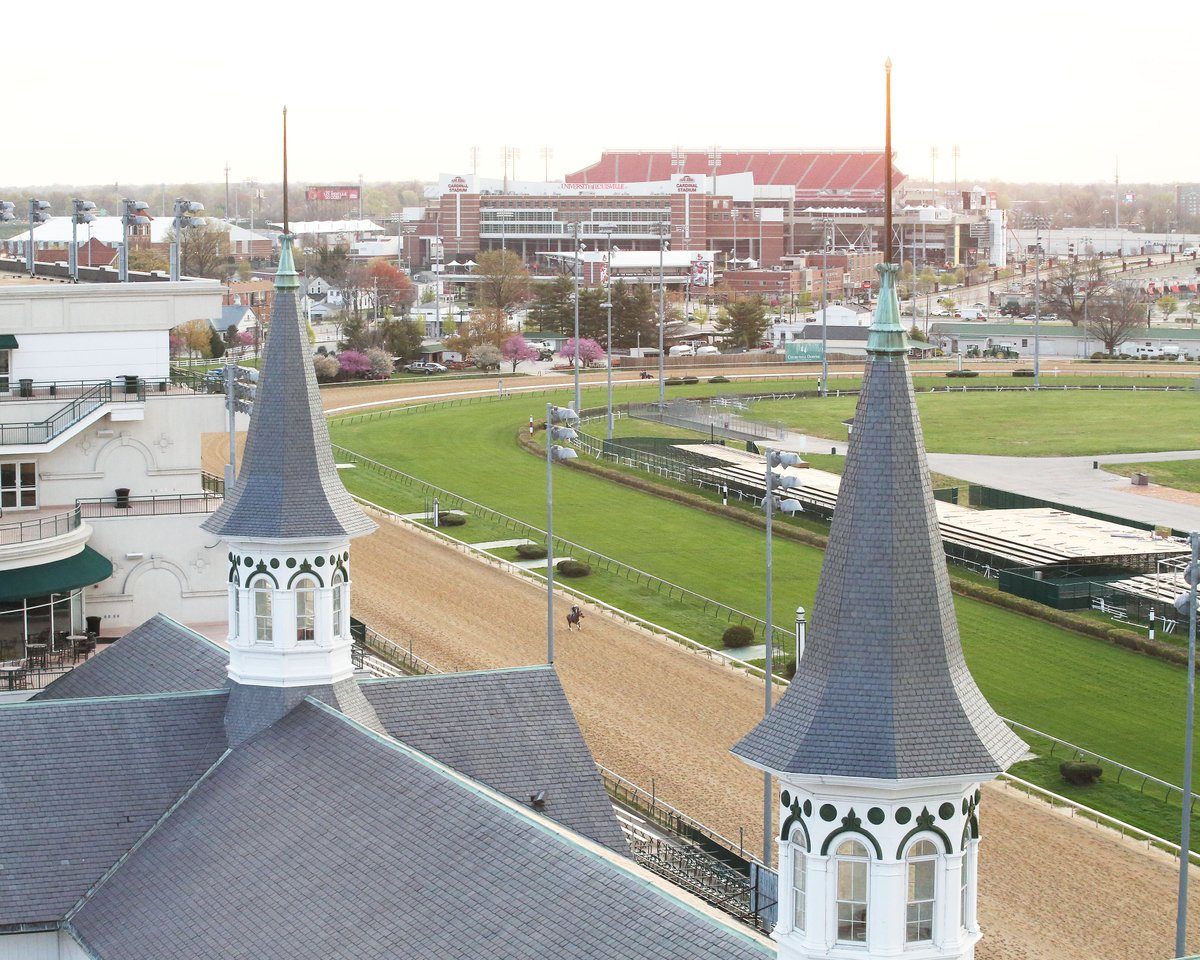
(515, 349)
(589, 351)
(245, 338)
(354, 365)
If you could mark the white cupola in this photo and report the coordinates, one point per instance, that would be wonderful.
(883, 740)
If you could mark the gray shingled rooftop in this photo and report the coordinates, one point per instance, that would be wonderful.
(318, 840)
(82, 780)
(288, 484)
(511, 729)
(160, 656)
(883, 690)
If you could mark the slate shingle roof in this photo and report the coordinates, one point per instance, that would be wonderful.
(883, 690)
(81, 780)
(320, 841)
(160, 656)
(510, 729)
(288, 485)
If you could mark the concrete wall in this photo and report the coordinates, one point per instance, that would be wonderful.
(92, 356)
(52, 945)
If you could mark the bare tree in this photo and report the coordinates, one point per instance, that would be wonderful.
(502, 280)
(1074, 288)
(1116, 316)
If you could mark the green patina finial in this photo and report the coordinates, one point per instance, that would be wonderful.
(887, 333)
(286, 277)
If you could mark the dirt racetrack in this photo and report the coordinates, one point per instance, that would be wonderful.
(1050, 888)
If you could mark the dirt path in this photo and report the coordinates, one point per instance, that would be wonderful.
(1051, 887)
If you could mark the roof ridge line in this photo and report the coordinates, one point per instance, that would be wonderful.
(195, 633)
(137, 844)
(549, 827)
(524, 668)
(118, 698)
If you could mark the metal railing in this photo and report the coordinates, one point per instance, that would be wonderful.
(43, 431)
(391, 652)
(211, 483)
(39, 528)
(158, 505)
(704, 418)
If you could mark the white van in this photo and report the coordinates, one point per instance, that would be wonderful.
(707, 351)
(682, 350)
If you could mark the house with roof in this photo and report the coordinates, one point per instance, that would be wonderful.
(265, 801)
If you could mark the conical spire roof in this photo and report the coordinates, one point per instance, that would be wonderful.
(883, 690)
(288, 486)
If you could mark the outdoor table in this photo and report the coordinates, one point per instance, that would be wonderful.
(36, 651)
(12, 671)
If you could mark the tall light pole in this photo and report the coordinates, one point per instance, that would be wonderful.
(81, 213)
(664, 242)
(608, 305)
(576, 269)
(38, 213)
(504, 216)
(183, 220)
(1187, 601)
(1038, 223)
(826, 243)
(133, 214)
(554, 416)
(773, 459)
(436, 252)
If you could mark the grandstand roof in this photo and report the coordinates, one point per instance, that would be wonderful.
(814, 174)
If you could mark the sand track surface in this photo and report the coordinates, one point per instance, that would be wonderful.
(1051, 887)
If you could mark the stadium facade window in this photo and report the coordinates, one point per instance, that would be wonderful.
(799, 881)
(922, 862)
(852, 874)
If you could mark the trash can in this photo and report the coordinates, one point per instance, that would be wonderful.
(93, 625)
(122, 498)
(131, 384)
(26, 386)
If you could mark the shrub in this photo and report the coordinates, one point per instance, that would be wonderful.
(690, 380)
(739, 635)
(531, 551)
(354, 365)
(673, 381)
(718, 379)
(381, 363)
(1080, 773)
(1022, 373)
(327, 368)
(572, 568)
(451, 519)
(787, 670)
(962, 373)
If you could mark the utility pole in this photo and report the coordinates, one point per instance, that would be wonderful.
(826, 240)
(608, 305)
(547, 153)
(664, 233)
(226, 189)
(576, 269)
(1039, 222)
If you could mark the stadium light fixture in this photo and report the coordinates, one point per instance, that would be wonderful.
(6, 211)
(184, 220)
(81, 213)
(39, 212)
(133, 214)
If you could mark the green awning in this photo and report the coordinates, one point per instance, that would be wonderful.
(8, 341)
(61, 576)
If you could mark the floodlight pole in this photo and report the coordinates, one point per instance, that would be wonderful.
(608, 326)
(663, 232)
(1037, 305)
(576, 267)
(826, 239)
(231, 406)
(73, 257)
(1185, 830)
(550, 533)
(768, 664)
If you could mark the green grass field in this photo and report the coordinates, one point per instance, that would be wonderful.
(1102, 697)
(1048, 423)
(1180, 474)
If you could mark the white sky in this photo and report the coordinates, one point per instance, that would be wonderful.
(1049, 91)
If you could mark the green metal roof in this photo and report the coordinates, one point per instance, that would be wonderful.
(1056, 330)
(59, 576)
(8, 341)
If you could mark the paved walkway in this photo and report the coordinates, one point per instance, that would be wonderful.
(1073, 481)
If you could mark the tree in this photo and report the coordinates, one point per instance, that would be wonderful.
(392, 286)
(917, 335)
(330, 264)
(327, 368)
(745, 322)
(195, 337)
(147, 259)
(516, 350)
(635, 314)
(1168, 304)
(552, 310)
(403, 339)
(216, 344)
(354, 364)
(1193, 308)
(1072, 288)
(354, 333)
(243, 270)
(589, 351)
(489, 325)
(1116, 316)
(381, 363)
(502, 280)
(204, 252)
(486, 356)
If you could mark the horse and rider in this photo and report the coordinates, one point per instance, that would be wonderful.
(575, 619)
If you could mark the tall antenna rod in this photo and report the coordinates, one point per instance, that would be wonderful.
(887, 170)
(285, 180)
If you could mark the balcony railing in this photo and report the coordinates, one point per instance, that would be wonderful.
(43, 431)
(159, 505)
(39, 528)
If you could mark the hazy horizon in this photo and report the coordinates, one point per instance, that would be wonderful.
(1043, 95)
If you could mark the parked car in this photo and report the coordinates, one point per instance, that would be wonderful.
(426, 367)
(708, 351)
(682, 350)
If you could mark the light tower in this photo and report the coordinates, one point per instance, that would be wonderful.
(882, 742)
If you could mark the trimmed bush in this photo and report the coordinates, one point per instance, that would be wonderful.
(691, 380)
(451, 520)
(962, 373)
(739, 635)
(572, 568)
(1080, 773)
(531, 551)
(674, 381)
(718, 379)
(787, 670)
(1022, 373)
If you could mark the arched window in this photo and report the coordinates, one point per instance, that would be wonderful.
(964, 893)
(853, 873)
(799, 884)
(263, 621)
(339, 602)
(922, 885)
(306, 609)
